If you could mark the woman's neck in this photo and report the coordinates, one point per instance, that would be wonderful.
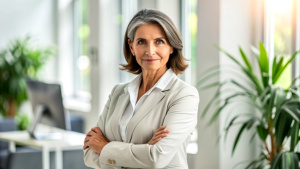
(149, 78)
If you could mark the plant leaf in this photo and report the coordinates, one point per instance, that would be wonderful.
(243, 127)
(245, 58)
(262, 132)
(294, 136)
(276, 69)
(295, 115)
(282, 129)
(264, 65)
(250, 74)
(230, 56)
(276, 161)
(284, 67)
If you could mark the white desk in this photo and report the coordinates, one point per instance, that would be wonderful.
(69, 141)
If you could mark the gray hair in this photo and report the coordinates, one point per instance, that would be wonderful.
(176, 60)
(156, 17)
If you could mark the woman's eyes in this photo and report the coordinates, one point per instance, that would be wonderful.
(141, 42)
(160, 42)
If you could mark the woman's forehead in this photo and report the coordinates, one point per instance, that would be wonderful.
(149, 30)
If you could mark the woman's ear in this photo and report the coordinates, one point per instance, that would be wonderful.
(172, 50)
(130, 45)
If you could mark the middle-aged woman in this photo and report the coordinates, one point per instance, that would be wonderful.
(148, 122)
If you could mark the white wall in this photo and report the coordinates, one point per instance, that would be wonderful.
(30, 17)
(236, 29)
(229, 23)
(105, 39)
(33, 17)
(208, 33)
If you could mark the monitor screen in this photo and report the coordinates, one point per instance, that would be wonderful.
(47, 105)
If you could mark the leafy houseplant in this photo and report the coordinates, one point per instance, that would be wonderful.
(19, 60)
(276, 110)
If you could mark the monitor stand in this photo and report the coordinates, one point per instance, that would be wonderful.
(40, 111)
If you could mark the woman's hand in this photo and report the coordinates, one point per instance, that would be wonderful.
(158, 135)
(95, 140)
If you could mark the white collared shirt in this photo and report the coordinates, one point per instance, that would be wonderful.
(133, 90)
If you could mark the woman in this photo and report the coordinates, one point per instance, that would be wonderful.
(148, 122)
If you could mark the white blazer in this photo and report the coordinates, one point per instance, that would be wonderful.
(176, 107)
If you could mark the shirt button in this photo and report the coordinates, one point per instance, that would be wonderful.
(113, 162)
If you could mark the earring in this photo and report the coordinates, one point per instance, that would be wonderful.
(132, 54)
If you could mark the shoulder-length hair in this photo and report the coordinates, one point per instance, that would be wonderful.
(176, 60)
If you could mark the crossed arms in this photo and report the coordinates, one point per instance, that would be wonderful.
(180, 121)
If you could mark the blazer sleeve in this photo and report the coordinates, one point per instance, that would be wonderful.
(181, 119)
(91, 159)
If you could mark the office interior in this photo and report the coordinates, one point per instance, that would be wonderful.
(88, 37)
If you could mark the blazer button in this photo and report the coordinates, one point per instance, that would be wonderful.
(113, 162)
(109, 161)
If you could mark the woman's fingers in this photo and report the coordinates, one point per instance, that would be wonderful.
(161, 128)
(86, 142)
(161, 132)
(96, 130)
(87, 138)
(85, 146)
(91, 133)
(158, 135)
(155, 140)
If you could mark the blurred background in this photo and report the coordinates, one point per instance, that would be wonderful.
(86, 39)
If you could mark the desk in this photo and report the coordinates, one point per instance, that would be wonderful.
(69, 141)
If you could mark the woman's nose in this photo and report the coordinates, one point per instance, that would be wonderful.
(151, 50)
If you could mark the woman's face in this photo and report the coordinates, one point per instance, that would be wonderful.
(151, 48)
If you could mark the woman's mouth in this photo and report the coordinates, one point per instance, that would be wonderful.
(150, 60)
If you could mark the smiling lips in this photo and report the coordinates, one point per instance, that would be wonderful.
(150, 60)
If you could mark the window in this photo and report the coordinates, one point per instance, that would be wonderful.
(81, 61)
(280, 39)
(283, 36)
(193, 29)
(127, 11)
(296, 36)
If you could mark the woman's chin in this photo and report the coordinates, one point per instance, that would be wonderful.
(153, 69)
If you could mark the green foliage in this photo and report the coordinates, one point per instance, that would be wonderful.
(19, 60)
(286, 160)
(276, 110)
(22, 121)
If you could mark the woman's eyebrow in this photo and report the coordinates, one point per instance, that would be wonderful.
(155, 38)
(160, 38)
(140, 39)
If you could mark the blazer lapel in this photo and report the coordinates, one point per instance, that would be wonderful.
(153, 99)
(118, 112)
(149, 103)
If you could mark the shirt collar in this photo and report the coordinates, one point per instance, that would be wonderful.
(161, 84)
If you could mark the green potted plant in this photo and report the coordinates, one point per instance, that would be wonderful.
(276, 110)
(19, 60)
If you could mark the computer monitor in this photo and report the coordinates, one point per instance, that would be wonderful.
(47, 105)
